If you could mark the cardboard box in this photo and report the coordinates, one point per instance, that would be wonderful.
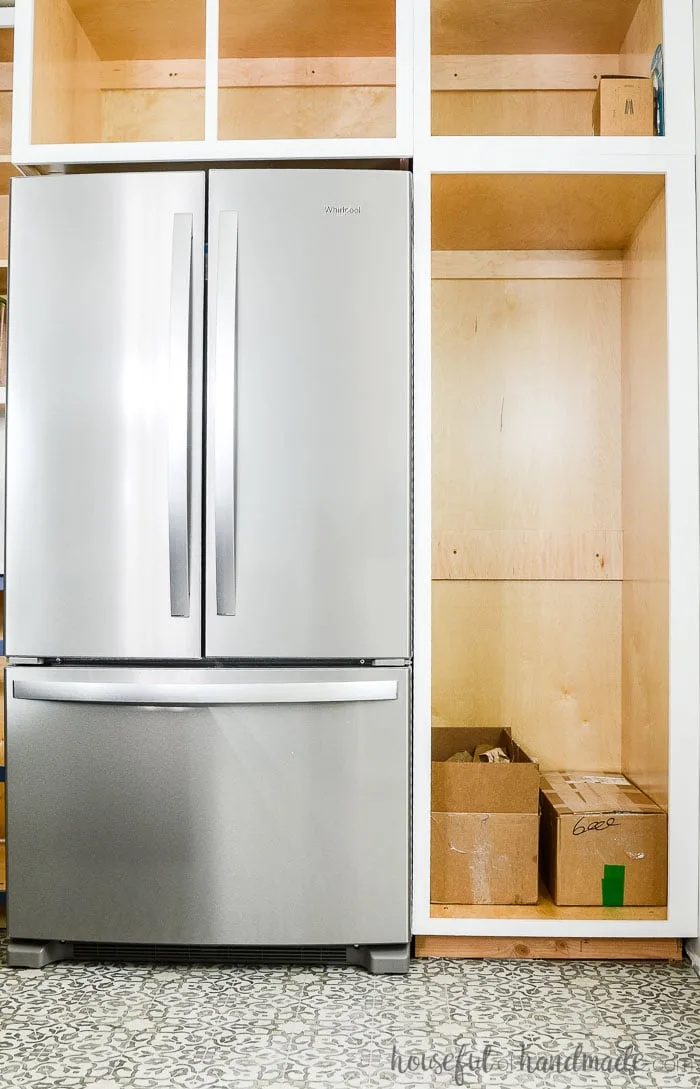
(484, 828)
(603, 842)
(624, 106)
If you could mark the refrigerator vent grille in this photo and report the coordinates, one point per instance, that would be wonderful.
(211, 954)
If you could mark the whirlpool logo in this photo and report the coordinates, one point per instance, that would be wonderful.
(342, 209)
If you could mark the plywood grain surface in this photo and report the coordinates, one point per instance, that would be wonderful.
(512, 113)
(143, 29)
(645, 497)
(541, 657)
(526, 413)
(256, 113)
(153, 115)
(530, 26)
(66, 104)
(539, 211)
(307, 28)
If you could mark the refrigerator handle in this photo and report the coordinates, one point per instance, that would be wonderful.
(153, 694)
(179, 415)
(225, 348)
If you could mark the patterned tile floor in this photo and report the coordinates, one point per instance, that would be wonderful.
(493, 1023)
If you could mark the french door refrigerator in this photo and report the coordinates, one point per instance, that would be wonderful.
(208, 564)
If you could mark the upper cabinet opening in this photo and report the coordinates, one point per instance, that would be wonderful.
(303, 69)
(107, 71)
(534, 67)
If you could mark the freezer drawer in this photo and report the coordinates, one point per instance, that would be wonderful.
(208, 807)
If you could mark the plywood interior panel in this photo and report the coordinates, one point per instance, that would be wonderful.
(307, 28)
(530, 26)
(645, 646)
(256, 113)
(526, 417)
(7, 40)
(527, 265)
(565, 211)
(643, 36)
(66, 103)
(5, 122)
(541, 657)
(524, 72)
(153, 115)
(526, 554)
(4, 226)
(512, 113)
(143, 29)
(124, 75)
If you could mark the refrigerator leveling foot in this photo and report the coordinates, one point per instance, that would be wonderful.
(381, 960)
(24, 954)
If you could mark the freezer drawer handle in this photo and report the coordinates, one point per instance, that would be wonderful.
(179, 415)
(207, 694)
(225, 365)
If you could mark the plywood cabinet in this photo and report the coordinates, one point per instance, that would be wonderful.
(562, 456)
(532, 68)
(103, 78)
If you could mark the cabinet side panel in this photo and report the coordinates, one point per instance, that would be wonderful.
(643, 36)
(645, 440)
(66, 103)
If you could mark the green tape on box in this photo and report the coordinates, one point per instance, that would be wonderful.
(613, 886)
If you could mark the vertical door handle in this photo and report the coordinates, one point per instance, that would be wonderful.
(179, 415)
(225, 348)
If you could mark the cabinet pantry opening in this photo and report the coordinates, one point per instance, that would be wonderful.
(108, 71)
(301, 69)
(532, 67)
(550, 462)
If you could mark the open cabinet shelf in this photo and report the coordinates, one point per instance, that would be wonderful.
(106, 72)
(307, 70)
(550, 477)
(137, 73)
(532, 67)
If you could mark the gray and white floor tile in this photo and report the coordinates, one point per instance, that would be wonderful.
(564, 1025)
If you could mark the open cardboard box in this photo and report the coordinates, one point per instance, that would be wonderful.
(485, 818)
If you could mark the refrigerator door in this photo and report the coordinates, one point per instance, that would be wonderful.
(308, 471)
(104, 433)
(220, 807)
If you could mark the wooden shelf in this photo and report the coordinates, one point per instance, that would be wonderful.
(530, 68)
(545, 908)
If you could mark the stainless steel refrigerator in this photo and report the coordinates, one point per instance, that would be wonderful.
(208, 564)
